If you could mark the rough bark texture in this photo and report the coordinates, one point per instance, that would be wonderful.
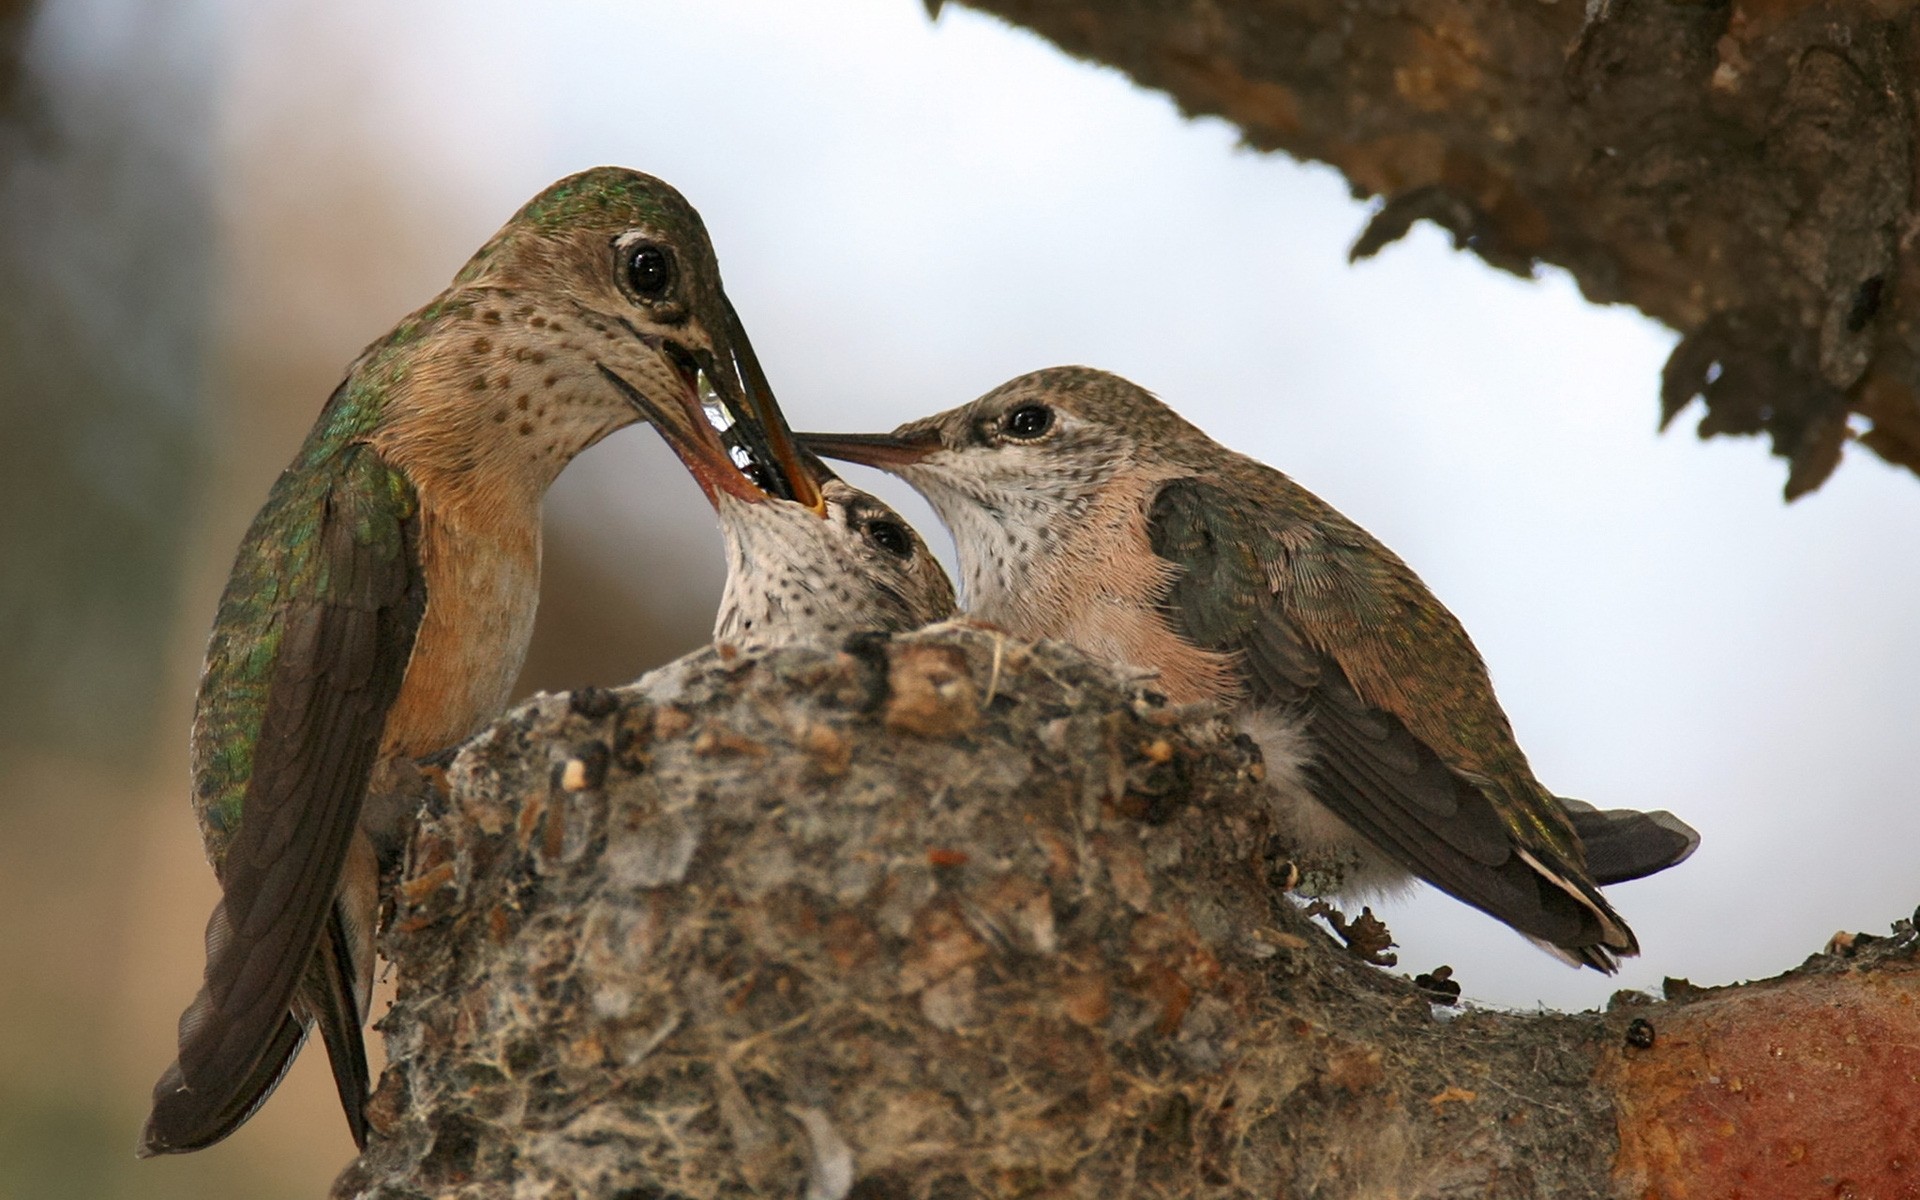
(1740, 169)
(949, 915)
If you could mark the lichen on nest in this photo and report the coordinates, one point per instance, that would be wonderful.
(939, 914)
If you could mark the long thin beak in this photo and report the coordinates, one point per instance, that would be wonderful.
(690, 433)
(762, 429)
(881, 450)
(724, 423)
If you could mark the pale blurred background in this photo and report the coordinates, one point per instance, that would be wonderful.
(209, 207)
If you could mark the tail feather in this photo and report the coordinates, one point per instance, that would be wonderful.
(330, 997)
(214, 1085)
(185, 1118)
(1596, 956)
(1624, 844)
(1609, 941)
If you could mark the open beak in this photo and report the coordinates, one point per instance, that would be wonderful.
(883, 450)
(725, 425)
(761, 430)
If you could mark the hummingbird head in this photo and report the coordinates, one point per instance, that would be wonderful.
(1053, 437)
(598, 304)
(796, 575)
(1014, 472)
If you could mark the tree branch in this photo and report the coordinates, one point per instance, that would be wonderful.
(950, 915)
(1741, 171)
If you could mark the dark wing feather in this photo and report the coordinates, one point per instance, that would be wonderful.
(1370, 767)
(344, 614)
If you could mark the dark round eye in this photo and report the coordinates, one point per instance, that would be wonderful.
(649, 270)
(1027, 421)
(891, 536)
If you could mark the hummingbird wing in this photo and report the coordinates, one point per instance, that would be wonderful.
(1411, 748)
(307, 657)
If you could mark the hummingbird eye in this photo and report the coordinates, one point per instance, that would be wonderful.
(890, 536)
(649, 270)
(1028, 421)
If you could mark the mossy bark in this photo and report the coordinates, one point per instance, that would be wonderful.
(949, 915)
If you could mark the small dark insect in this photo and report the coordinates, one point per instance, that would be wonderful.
(1640, 1034)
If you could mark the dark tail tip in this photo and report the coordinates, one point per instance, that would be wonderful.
(177, 1124)
(1599, 958)
(336, 1014)
(157, 1136)
(185, 1119)
(1622, 844)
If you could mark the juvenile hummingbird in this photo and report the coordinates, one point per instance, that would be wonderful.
(382, 600)
(1086, 510)
(800, 573)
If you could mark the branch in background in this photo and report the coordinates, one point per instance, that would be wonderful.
(15, 15)
(952, 915)
(1743, 172)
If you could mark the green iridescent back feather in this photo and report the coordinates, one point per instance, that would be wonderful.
(279, 561)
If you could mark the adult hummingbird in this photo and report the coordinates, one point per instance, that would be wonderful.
(382, 600)
(809, 573)
(1084, 509)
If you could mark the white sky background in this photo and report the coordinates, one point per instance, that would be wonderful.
(908, 214)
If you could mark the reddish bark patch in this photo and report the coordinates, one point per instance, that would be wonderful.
(1807, 1089)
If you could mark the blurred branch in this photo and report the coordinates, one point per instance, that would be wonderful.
(15, 15)
(1742, 172)
(952, 915)
(106, 234)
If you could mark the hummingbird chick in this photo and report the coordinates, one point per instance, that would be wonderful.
(382, 600)
(794, 575)
(810, 572)
(1084, 509)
